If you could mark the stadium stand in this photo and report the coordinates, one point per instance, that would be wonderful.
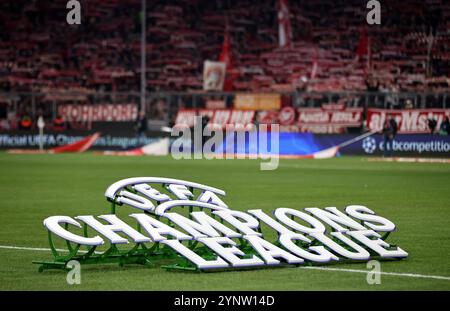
(102, 54)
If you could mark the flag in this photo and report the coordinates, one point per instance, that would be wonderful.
(284, 24)
(363, 51)
(369, 56)
(362, 45)
(430, 42)
(315, 66)
(226, 57)
(213, 76)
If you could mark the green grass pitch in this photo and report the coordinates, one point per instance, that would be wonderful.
(416, 197)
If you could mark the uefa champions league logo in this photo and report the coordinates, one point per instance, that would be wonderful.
(369, 145)
(189, 225)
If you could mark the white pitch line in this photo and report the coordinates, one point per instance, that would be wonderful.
(39, 249)
(30, 248)
(411, 275)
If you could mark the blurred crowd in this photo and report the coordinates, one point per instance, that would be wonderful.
(41, 54)
(39, 51)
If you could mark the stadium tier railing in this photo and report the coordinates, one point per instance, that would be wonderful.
(163, 106)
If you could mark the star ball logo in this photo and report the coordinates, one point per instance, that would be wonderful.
(369, 145)
(190, 225)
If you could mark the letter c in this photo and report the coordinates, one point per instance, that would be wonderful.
(53, 224)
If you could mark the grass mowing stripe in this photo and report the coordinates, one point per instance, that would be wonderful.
(412, 275)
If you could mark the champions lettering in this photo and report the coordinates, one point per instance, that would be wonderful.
(190, 225)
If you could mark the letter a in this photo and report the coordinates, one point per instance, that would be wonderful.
(373, 276)
(74, 15)
(374, 15)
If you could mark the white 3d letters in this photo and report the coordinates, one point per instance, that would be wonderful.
(190, 222)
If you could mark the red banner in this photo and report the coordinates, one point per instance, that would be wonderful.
(411, 121)
(98, 113)
(328, 119)
(216, 116)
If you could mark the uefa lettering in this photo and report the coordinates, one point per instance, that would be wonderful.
(183, 225)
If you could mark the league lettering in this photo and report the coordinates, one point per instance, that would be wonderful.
(193, 222)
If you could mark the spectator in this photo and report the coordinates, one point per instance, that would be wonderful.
(445, 127)
(372, 85)
(389, 131)
(141, 125)
(205, 122)
(432, 123)
(391, 98)
(59, 123)
(25, 122)
(3, 110)
(409, 104)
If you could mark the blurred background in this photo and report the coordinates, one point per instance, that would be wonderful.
(133, 67)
